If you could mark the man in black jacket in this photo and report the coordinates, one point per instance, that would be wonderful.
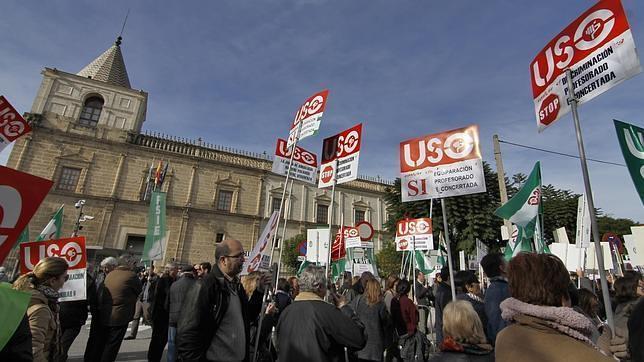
(214, 321)
(443, 296)
(178, 291)
(160, 314)
(311, 329)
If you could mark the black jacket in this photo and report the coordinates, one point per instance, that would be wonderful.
(18, 348)
(203, 309)
(443, 296)
(423, 294)
(311, 330)
(177, 293)
(158, 310)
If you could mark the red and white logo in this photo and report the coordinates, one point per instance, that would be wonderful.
(20, 197)
(440, 149)
(403, 244)
(71, 249)
(327, 174)
(410, 227)
(594, 28)
(12, 125)
(312, 106)
(343, 144)
(301, 155)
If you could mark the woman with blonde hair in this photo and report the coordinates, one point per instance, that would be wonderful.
(370, 308)
(463, 336)
(249, 282)
(43, 283)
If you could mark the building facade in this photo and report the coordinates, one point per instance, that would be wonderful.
(87, 138)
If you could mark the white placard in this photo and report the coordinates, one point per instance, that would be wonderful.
(304, 167)
(561, 236)
(591, 260)
(317, 245)
(582, 235)
(259, 259)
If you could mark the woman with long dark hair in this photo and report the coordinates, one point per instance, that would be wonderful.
(43, 283)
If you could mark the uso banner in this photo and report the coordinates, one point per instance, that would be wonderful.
(414, 234)
(345, 148)
(12, 125)
(72, 250)
(310, 115)
(305, 163)
(260, 258)
(441, 165)
(20, 197)
(599, 50)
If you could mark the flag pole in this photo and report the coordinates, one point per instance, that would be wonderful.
(288, 174)
(572, 99)
(449, 251)
(412, 268)
(335, 174)
(279, 261)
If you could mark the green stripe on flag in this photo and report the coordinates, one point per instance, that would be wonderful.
(13, 305)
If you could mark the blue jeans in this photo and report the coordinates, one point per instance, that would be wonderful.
(172, 348)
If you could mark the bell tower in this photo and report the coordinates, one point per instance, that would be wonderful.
(97, 101)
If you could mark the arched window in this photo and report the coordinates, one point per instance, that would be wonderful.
(91, 111)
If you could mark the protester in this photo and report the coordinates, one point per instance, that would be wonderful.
(544, 327)
(249, 282)
(636, 332)
(118, 303)
(494, 267)
(423, 296)
(443, 296)
(159, 312)
(295, 287)
(19, 348)
(43, 283)
(628, 291)
(589, 306)
(175, 299)
(437, 280)
(204, 269)
(311, 329)
(96, 339)
(464, 338)
(214, 322)
(355, 289)
(468, 288)
(143, 303)
(73, 316)
(3, 275)
(390, 293)
(403, 310)
(373, 314)
(282, 295)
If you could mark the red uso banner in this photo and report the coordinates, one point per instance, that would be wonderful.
(20, 197)
(441, 165)
(599, 50)
(414, 234)
(72, 250)
(12, 125)
(305, 163)
(345, 148)
(310, 116)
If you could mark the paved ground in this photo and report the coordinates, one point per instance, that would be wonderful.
(132, 350)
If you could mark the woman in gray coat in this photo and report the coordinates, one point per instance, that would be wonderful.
(373, 313)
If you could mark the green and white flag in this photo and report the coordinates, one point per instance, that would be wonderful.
(523, 208)
(303, 266)
(631, 140)
(539, 242)
(155, 239)
(441, 248)
(24, 236)
(54, 227)
(423, 262)
(518, 242)
(13, 304)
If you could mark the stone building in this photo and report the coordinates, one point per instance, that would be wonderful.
(87, 138)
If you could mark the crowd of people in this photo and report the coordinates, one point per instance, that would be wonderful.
(527, 309)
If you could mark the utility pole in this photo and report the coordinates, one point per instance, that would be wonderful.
(500, 173)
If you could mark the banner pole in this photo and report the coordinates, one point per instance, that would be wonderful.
(449, 250)
(591, 203)
(279, 261)
(288, 174)
(335, 174)
(412, 269)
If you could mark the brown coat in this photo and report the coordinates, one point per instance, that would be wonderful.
(530, 339)
(122, 288)
(43, 322)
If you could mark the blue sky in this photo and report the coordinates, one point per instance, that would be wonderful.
(234, 73)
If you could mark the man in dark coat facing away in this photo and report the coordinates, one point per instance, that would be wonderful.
(311, 329)
(160, 314)
(178, 291)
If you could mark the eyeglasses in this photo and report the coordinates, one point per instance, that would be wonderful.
(240, 255)
(66, 277)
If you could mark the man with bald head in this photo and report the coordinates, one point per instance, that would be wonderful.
(214, 321)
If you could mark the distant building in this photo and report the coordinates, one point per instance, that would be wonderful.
(87, 138)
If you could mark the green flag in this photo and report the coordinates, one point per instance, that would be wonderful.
(13, 305)
(24, 236)
(519, 242)
(338, 267)
(522, 209)
(542, 246)
(155, 239)
(423, 263)
(303, 266)
(54, 227)
(442, 251)
(631, 140)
